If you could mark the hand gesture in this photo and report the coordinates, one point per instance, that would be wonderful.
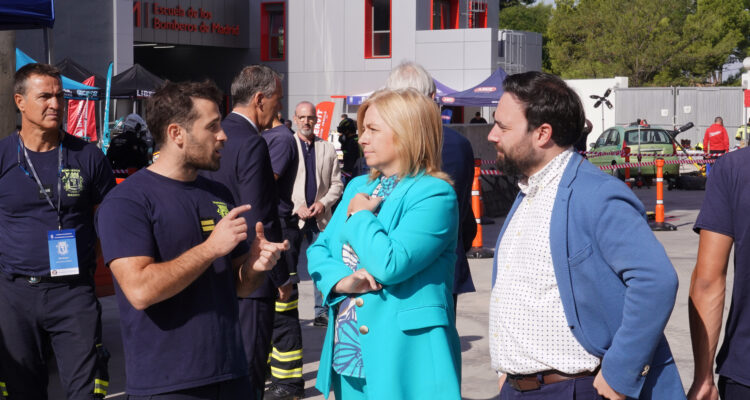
(230, 231)
(360, 281)
(703, 391)
(303, 212)
(602, 387)
(316, 208)
(264, 254)
(362, 201)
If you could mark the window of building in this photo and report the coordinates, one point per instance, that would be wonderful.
(444, 14)
(377, 28)
(477, 14)
(272, 32)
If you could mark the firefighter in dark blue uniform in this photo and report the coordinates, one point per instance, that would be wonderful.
(50, 183)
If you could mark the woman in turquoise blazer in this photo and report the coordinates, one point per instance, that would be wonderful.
(385, 262)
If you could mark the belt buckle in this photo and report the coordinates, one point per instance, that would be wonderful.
(515, 383)
(33, 279)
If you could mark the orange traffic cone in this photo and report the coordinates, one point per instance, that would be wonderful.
(477, 245)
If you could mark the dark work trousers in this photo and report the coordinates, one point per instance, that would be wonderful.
(236, 389)
(573, 389)
(286, 353)
(732, 390)
(256, 323)
(63, 317)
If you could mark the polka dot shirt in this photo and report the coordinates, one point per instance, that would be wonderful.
(528, 329)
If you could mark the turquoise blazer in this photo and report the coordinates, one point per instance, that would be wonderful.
(411, 349)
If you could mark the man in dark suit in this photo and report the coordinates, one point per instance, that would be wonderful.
(246, 171)
(458, 162)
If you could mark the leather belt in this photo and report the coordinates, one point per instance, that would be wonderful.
(48, 279)
(524, 383)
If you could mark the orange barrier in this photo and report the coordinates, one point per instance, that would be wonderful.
(477, 250)
(476, 206)
(659, 211)
(658, 224)
(627, 170)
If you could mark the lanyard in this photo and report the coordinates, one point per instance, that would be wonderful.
(57, 209)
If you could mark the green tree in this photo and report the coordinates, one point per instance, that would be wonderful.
(510, 3)
(533, 18)
(717, 34)
(667, 42)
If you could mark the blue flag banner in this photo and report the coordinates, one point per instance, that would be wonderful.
(105, 130)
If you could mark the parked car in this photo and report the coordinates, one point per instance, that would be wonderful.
(650, 141)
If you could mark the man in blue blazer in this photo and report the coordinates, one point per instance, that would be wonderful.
(246, 171)
(576, 311)
(457, 161)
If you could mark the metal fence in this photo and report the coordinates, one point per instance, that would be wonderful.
(676, 106)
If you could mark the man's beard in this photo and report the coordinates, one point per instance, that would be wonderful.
(209, 164)
(306, 132)
(516, 165)
(197, 160)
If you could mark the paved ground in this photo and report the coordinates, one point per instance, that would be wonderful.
(478, 381)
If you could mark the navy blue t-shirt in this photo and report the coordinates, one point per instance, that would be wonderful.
(193, 338)
(284, 161)
(725, 211)
(25, 214)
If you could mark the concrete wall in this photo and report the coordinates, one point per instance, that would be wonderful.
(326, 55)
(122, 36)
(459, 58)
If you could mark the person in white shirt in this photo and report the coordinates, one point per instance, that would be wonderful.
(575, 313)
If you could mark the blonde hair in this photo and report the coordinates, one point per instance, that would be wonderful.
(418, 130)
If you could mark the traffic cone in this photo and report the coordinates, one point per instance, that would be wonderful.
(477, 250)
(658, 223)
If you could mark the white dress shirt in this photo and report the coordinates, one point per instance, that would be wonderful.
(528, 329)
(248, 120)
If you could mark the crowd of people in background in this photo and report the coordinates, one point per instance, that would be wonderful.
(204, 245)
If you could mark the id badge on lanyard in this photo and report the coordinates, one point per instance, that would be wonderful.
(63, 255)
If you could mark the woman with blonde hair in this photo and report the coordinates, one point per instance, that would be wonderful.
(385, 262)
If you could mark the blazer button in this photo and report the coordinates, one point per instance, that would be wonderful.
(359, 302)
(364, 329)
(645, 370)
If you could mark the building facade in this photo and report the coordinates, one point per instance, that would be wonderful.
(327, 49)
